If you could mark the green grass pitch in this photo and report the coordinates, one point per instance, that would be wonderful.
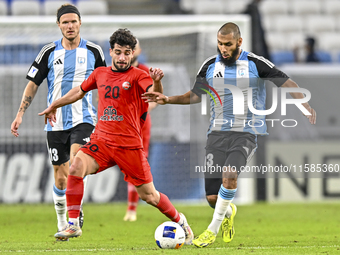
(260, 229)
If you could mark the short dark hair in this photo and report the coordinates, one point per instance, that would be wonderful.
(123, 37)
(229, 28)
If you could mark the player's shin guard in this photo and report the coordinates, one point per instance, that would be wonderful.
(133, 197)
(74, 195)
(167, 208)
(59, 199)
(224, 198)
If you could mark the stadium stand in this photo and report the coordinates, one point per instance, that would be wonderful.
(305, 7)
(29, 7)
(96, 7)
(51, 7)
(3, 8)
(292, 20)
(208, 7)
(331, 7)
(235, 6)
(270, 8)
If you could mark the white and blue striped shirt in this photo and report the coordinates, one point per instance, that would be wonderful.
(249, 71)
(64, 70)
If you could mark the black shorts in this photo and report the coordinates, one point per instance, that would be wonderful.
(59, 142)
(226, 148)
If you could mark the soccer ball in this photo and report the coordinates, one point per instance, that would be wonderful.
(169, 235)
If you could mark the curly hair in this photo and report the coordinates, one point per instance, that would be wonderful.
(123, 37)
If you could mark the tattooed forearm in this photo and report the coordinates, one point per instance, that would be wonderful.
(26, 103)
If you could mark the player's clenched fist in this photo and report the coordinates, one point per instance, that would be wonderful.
(156, 74)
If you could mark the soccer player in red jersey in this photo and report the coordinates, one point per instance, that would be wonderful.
(133, 197)
(117, 137)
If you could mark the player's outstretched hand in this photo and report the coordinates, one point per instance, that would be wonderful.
(312, 118)
(156, 97)
(156, 74)
(15, 126)
(50, 115)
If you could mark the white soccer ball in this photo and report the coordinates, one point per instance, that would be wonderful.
(169, 235)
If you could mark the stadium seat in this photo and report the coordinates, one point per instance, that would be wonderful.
(267, 23)
(21, 7)
(331, 7)
(276, 41)
(319, 23)
(95, 7)
(187, 5)
(305, 7)
(208, 7)
(329, 41)
(50, 7)
(324, 56)
(3, 8)
(288, 23)
(282, 57)
(235, 6)
(271, 7)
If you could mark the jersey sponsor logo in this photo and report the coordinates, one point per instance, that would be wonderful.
(110, 114)
(219, 74)
(242, 72)
(126, 85)
(81, 60)
(58, 62)
(32, 72)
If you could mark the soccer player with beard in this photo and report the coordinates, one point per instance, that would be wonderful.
(117, 138)
(133, 198)
(230, 146)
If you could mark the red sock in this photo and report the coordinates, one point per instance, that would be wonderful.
(133, 197)
(74, 195)
(167, 208)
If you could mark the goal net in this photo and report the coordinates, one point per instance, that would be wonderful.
(177, 44)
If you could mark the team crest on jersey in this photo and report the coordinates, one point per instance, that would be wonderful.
(126, 85)
(81, 60)
(242, 72)
(110, 114)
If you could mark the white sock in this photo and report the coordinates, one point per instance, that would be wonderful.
(60, 207)
(219, 213)
(224, 198)
(75, 221)
(229, 211)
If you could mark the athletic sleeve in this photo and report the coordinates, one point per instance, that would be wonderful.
(267, 70)
(98, 54)
(144, 81)
(199, 87)
(38, 71)
(90, 83)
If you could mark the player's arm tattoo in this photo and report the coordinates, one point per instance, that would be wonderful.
(26, 103)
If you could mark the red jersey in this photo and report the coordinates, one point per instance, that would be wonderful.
(146, 129)
(121, 111)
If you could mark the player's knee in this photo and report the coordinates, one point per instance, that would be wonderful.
(230, 183)
(76, 167)
(149, 198)
(212, 200)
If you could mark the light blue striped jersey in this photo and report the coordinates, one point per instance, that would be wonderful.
(64, 70)
(248, 72)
